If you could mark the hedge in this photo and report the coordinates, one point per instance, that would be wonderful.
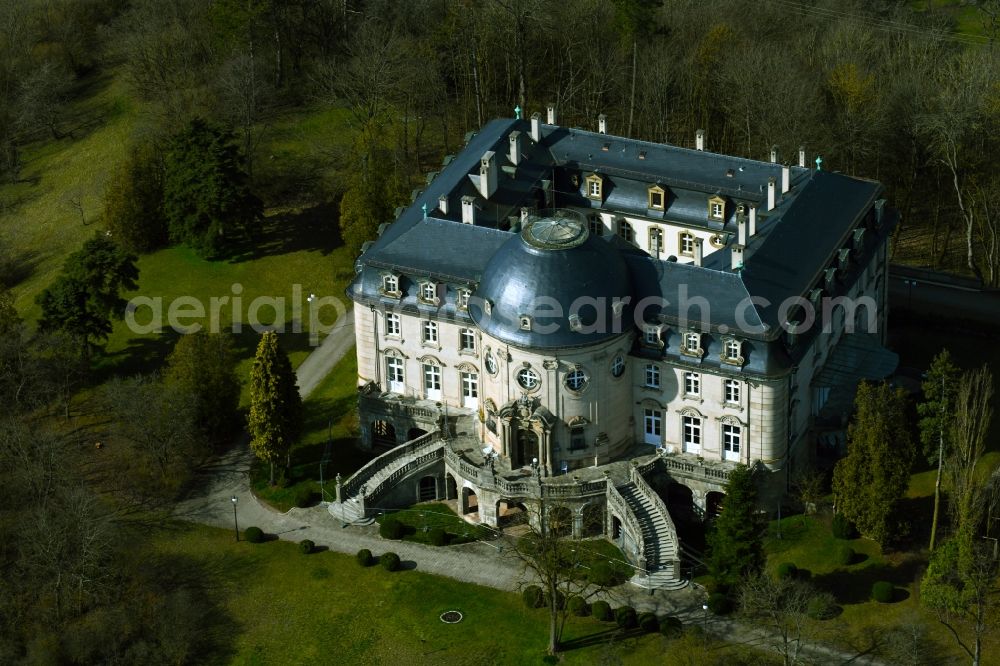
(843, 554)
(438, 537)
(389, 561)
(578, 606)
(253, 534)
(671, 626)
(532, 596)
(364, 557)
(625, 617)
(391, 529)
(649, 623)
(601, 610)
(882, 591)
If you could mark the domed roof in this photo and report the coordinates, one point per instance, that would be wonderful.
(553, 285)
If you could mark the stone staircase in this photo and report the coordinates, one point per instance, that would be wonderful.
(659, 538)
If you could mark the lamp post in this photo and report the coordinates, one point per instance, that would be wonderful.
(704, 623)
(236, 525)
(910, 284)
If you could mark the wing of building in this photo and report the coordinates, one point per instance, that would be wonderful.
(560, 308)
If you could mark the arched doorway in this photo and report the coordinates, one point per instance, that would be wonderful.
(616, 528)
(713, 504)
(428, 489)
(383, 433)
(593, 520)
(511, 513)
(413, 433)
(559, 521)
(680, 502)
(470, 503)
(527, 446)
(451, 487)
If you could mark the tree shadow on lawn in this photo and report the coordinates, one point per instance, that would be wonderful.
(918, 512)
(141, 355)
(314, 228)
(601, 637)
(854, 586)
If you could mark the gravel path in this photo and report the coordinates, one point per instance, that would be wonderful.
(320, 362)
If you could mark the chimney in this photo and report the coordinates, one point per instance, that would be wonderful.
(524, 216)
(515, 147)
(602, 124)
(802, 156)
(770, 193)
(786, 178)
(699, 140)
(488, 174)
(536, 127)
(752, 230)
(741, 230)
(774, 154)
(468, 210)
(443, 204)
(550, 113)
(737, 253)
(698, 252)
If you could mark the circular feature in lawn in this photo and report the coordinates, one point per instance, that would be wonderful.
(451, 617)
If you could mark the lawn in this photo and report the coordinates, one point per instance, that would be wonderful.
(420, 519)
(283, 607)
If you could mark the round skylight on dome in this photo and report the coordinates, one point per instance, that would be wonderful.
(557, 230)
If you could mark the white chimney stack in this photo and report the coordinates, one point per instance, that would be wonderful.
(698, 251)
(737, 254)
(468, 210)
(786, 178)
(524, 215)
(443, 204)
(536, 127)
(602, 124)
(488, 174)
(770, 193)
(802, 156)
(699, 140)
(515, 147)
(741, 230)
(550, 112)
(753, 220)
(774, 154)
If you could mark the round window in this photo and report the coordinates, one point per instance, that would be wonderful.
(528, 379)
(618, 366)
(491, 363)
(576, 380)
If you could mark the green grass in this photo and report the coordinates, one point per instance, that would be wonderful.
(283, 607)
(418, 520)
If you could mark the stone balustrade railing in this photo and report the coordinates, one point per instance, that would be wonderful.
(618, 506)
(698, 470)
(403, 470)
(401, 408)
(653, 498)
(575, 489)
(414, 447)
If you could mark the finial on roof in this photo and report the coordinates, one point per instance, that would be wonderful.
(424, 208)
(517, 111)
(819, 163)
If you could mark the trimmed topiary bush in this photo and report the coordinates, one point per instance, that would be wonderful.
(671, 626)
(601, 610)
(787, 571)
(578, 606)
(438, 537)
(602, 574)
(532, 596)
(560, 600)
(719, 604)
(625, 617)
(391, 529)
(364, 557)
(253, 534)
(882, 591)
(843, 554)
(822, 607)
(842, 528)
(389, 561)
(306, 546)
(649, 623)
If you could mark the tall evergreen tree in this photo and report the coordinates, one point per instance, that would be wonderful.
(869, 481)
(206, 191)
(88, 293)
(133, 203)
(735, 543)
(275, 419)
(936, 412)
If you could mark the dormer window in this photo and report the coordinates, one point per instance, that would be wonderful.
(575, 322)
(651, 335)
(595, 187)
(525, 322)
(488, 307)
(429, 293)
(717, 208)
(616, 308)
(685, 242)
(657, 197)
(390, 285)
(462, 300)
(692, 344)
(732, 351)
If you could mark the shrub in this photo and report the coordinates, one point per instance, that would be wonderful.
(719, 604)
(253, 534)
(787, 571)
(389, 561)
(302, 496)
(532, 596)
(625, 617)
(391, 529)
(438, 537)
(843, 554)
(842, 527)
(822, 607)
(671, 626)
(578, 606)
(306, 546)
(882, 591)
(364, 557)
(601, 610)
(649, 623)
(560, 600)
(602, 574)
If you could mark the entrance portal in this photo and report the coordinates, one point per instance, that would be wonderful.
(527, 446)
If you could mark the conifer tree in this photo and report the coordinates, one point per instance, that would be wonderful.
(735, 543)
(936, 413)
(275, 419)
(869, 481)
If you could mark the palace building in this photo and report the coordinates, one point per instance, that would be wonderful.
(611, 325)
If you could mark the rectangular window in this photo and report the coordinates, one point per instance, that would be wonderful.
(626, 232)
(576, 439)
(686, 243)
(652, 376)
(470, 390)
(692, 384)
(716, 210)
(656, 199)
(692, 342)
(467, 340)
(731, 440)
(596, 225)
(692, 434)
(463, 299)
(394, 374)
(652, 426)
(595, 188)
(428, 292)
(390, 284)
(733, 349)
(732, 389)
(430, 332)
(656, 240)
(653, 336)
(392, 325)
(432, 381)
